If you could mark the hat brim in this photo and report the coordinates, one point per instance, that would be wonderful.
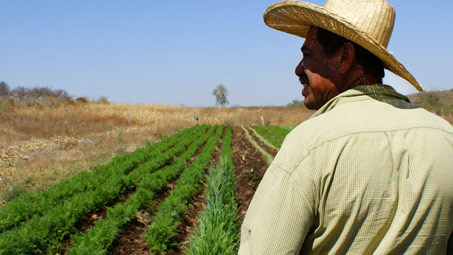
(296, 17)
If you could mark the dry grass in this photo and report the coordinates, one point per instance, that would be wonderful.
(179, 116)
(42, 144)
(23, 123)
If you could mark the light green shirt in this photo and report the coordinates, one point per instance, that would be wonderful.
(369, 173)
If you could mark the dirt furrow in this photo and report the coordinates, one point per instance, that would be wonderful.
(268, 149)
(249, 166)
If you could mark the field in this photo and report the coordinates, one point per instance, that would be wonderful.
(182, 194)
(91, 178)
(41, 144)
(97, 178)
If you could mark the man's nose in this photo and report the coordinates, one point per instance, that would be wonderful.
(300, 68)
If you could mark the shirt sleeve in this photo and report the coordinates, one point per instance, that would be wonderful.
(279, 216)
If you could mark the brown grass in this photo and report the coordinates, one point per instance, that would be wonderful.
(23, 123)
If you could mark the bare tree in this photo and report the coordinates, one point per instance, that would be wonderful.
(63, 94)
(20, 93)
(4, 89)
(40, 92)
(103, 100)
(220, 93)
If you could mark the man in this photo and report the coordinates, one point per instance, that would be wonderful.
(369, 173)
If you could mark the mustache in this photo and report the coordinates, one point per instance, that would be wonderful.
(303, 79)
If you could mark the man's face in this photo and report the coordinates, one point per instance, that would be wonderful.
(315, 72)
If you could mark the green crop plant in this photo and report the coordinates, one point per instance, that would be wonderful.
(43, 231)
(272, 134)
(266, 155)
(218, 230)
(159, 236)
(36, 203)
(32, 204)
(264, 133)
(262, 138)
(99, 237)
(279, 132)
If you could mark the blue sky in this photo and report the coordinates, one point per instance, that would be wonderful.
(176, 52)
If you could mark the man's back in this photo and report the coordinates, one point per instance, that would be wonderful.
(365, 176)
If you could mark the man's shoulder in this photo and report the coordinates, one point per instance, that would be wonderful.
(308, 135)
(344, 122)
(368, 116)
(316, 131)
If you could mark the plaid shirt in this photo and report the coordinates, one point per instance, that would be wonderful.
(369, 173)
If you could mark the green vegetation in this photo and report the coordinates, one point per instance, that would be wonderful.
(36, 204)
(51, 216)
(218, 230)
(159, 235)
(50, 222)
(268, 157)
(100, 237)
(272, 134)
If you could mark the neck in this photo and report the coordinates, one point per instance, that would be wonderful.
(358, 77)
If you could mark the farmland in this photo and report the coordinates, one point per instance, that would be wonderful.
(98, 178)
(187, 193)
(43, 144)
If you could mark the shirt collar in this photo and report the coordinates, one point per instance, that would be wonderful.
(378, 92)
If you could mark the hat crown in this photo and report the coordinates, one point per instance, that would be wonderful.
(373, 17)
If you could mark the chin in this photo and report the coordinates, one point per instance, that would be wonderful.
(310, 106)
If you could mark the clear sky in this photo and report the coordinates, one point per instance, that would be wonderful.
(176, 52)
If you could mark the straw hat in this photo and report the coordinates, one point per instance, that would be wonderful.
(369, 23)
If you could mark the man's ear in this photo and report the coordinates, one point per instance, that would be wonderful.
(347, 56)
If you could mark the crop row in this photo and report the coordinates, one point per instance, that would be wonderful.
(46, 222)
(159, 235)
(272, 134)
(255, 144)
(218, 230)
(99, 237)
(33, 204)
(44, 232)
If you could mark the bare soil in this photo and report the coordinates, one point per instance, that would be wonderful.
(249, 163)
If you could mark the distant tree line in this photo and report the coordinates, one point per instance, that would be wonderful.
(296, 103)
(439, 102)
(39, 94)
